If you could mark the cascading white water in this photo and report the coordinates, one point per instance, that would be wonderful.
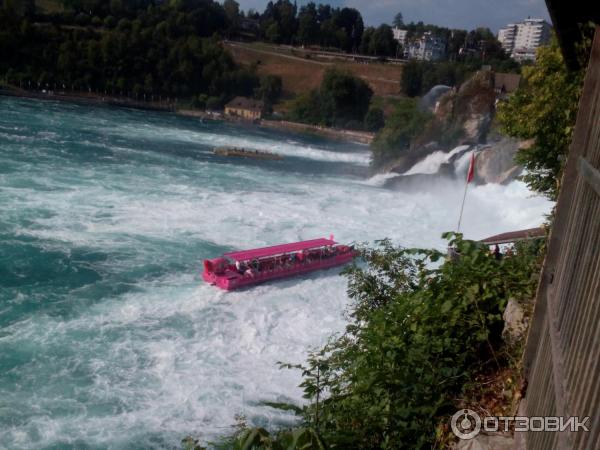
(109, 338)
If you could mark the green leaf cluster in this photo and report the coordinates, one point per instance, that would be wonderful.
(406, 122)
(544, 110)
(342, 100)
(421, 326)
(165, 50)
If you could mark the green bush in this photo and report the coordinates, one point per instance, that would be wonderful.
(168, 48)
(269, 90)
(374, 120)
(418, 77)
(544, 109)
(110, 22)
(341, 99)
(412, 79)
(421, 327)
(406, 122)
(261, 439)
(306, 108)
(214, 103)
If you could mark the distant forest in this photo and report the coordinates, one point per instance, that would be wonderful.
(152, 47)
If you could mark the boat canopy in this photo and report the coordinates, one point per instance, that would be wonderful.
(279, 249)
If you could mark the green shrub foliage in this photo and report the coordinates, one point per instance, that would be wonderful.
(421, 327)
(405, 122)
(165, 50)
(342, 100)
(544, 109)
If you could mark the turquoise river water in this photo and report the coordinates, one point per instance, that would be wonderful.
(109, 338)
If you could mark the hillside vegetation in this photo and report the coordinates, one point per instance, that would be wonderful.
(301, 72)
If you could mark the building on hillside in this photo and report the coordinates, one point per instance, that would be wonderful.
(428, 47)
(244, 108)
(506, 37)
(400, 35)
(521, 40)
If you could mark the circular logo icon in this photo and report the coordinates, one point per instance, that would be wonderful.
(466, 424)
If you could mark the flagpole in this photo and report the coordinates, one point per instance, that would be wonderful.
(470, 174)
(462, 207)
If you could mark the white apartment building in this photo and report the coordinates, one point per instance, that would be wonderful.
(522, 39)
(400, 35)
(426, 48)
(506, 36)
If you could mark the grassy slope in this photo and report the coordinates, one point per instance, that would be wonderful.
(49, 6)
(300, 74)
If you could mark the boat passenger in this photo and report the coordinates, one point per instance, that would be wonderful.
(238, 267)
(497, 253)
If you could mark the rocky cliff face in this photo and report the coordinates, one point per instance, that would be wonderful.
(462, 117)
(495, 163)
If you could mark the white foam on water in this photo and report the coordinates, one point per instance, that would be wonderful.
(288, 148)
(380, 179)
(461, 164)
(174, 356)
(432, 162)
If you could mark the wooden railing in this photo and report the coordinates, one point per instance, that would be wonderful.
(562, 355)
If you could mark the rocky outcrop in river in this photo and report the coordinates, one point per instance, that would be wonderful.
(461, 123)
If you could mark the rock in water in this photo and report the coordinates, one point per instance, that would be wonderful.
(496, 163)
(462, 116)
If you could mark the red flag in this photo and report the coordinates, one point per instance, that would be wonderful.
(471, 172)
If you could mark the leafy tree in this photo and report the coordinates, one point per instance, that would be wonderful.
(406, 122)
(307, 108)
(110, 22)
(411, 82)
(308, 26)
(344, 97)
(398, 20)
(544, 109)
(279, 22)
(147, 48)
(350, 21)
(232, 9)
(374, 120)
(273, 33)
(342, 100)
(382, 41)
(269, 90)
(366, 40)
(378, 41)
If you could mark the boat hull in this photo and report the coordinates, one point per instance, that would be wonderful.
(231, 280)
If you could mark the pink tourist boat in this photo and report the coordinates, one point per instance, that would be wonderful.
(238, 269)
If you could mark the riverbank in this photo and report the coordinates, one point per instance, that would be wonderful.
(357, 137)
(84, 98)
(360, 137)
